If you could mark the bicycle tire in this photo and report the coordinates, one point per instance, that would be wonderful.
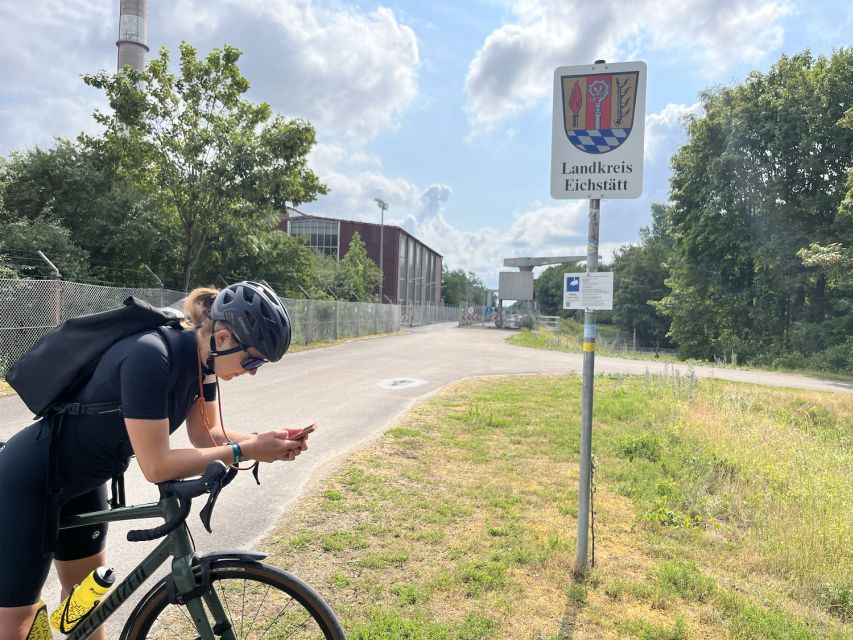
(282, 606)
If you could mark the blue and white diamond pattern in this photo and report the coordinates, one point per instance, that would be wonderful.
(598, 140)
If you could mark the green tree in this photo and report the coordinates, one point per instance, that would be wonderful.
(459, 287)
(639, 276)
(20, 239)
(548, 289)
(761, 177)
(119, 222)
(247, 248)
(354, 277)
(835, 260)
(213, 156)
(361, 276)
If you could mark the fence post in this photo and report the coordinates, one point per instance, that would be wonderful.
(307, 316)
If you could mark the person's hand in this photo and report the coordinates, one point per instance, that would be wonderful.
(300, 433)
(272, 446)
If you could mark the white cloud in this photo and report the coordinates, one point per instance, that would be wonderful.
(45, 48)
(355, 178)
(513, 70)
(353, 74)
(541, 231)
(665, 130)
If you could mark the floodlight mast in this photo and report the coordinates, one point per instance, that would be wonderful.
(383, 207)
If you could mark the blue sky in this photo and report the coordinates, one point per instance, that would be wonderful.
(443, 109)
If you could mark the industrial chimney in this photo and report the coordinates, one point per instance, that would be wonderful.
(132, 40)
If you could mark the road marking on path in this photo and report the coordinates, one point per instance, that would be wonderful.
(400, 383)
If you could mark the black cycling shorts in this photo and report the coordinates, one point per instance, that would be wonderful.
(23, 487)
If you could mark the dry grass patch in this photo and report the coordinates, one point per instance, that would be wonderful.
(5, 389)
(460, 522)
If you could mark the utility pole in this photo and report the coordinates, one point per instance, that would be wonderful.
(383, 207)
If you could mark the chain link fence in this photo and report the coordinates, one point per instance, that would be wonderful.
(321, 320)
(415, 315)
(31, 308)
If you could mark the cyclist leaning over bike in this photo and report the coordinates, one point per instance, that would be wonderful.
(163, 378)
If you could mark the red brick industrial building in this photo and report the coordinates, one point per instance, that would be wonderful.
(412, 271)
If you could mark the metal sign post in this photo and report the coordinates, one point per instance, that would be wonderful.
(586, 402)
(596, 152)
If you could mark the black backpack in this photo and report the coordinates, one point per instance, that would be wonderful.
(61, 361)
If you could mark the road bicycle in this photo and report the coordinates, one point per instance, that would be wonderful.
(228, 595)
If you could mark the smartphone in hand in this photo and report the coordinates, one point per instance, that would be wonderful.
(304, 432)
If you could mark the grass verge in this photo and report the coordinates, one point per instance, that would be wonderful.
(721, 511)
(570, 342)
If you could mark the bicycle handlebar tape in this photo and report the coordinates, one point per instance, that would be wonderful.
(144, 535)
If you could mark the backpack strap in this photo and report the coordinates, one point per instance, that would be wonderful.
(58, 412)
(117, 494)
(88, 409)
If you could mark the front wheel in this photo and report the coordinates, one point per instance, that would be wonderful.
(259, 601)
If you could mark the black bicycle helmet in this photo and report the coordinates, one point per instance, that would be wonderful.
(256, 315)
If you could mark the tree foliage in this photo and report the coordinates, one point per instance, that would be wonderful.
(459, 287)
(548, 289)
(188, 180)
(639, 276)
(355, 277)
(118, 222)
(361, 276)
(764, 174)
(213, 156)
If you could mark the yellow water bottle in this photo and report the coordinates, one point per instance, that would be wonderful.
(83, 598)
(40, 629)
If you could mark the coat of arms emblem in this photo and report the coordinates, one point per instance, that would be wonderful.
(598, 109)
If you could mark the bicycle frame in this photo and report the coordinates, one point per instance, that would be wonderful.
(177, 544)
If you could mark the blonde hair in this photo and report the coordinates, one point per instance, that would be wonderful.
(197, 309)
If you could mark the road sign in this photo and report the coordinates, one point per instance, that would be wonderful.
(597, 139)
(588, 290)
(572, 290)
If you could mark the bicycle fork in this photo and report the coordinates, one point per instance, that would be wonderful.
(189, 585)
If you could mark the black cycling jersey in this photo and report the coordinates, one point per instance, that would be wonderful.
(153, 381)
(136, 370)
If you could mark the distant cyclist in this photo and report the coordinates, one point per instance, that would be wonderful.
(162, 378)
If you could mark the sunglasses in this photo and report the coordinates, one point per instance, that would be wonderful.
(250, 362)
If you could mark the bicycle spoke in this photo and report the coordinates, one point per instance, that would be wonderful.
(188, 623)
(224, 600)
(278, 617)
(258, 604)
(243, 607)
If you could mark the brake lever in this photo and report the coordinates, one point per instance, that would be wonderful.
(207, 512)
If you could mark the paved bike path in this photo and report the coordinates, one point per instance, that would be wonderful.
(350, 391)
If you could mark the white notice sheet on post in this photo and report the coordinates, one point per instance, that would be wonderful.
(588, 291)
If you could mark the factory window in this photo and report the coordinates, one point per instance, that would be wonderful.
(322, 234)
(401, 285)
